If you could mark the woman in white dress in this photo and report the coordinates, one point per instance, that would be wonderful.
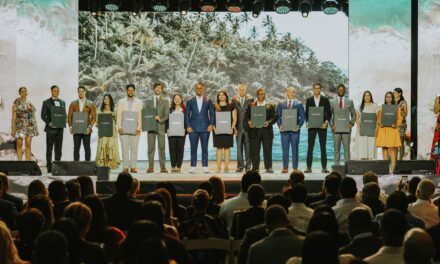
(365, 146)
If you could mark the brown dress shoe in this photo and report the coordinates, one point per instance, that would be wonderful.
(150, 170)
(133, 170)
(163, 170)
(285, 170)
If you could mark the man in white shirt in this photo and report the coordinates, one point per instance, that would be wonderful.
(299, 214)
(345, 206)
(423, 208)
(393, 229)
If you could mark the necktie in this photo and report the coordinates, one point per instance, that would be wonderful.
(340, 102)
(157, 101)
(242, 101)
(290, 105)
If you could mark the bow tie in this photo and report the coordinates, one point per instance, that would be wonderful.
(56, 100)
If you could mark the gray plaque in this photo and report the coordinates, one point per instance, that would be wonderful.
(105, 125)
(389, 115)
(289, 120)
(58, 116)
(341, 120)
(258, 116)
(316, 117)
(176, 124)
(368, 124)
(80, 122)
(129, 122)
(223, 123)
(149, 123)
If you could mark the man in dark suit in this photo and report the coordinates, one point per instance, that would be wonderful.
(241, 102)
(54, 135)
(199, 119)
(280, 245)
(264, 135)
(364, 242)
(122, 209)
(8, 212)
(318, 100)
(18, 202)
(331, 192)
(58, 196)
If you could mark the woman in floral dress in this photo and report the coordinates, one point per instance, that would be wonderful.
(24, 124)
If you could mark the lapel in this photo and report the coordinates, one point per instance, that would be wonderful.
(52, 102)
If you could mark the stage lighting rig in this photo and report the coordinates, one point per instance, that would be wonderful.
(234, 6)
(282, 6)
(305, 7)
(112, 5)
(330, 7)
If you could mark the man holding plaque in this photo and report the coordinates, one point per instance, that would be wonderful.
(343, 119)
(199, 119)
(53, 114)
(318, 115)
(82, 105)
(129, 139)
(260, 130)
(291, 117)
(161, 105)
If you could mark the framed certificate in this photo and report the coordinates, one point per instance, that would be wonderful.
(368, 124)
(149, 123)
(80, 122)
(58, 117)
(223, 123)
(316, 117)
(129, 122)
(341, 120)
(105, 125)
(176, 124)
(389, 115)
(289, 120)
(258, 116)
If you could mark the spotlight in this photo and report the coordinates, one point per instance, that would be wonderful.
(234, 6)
(305, 7)
(257, 7)
(160, 5)
(208, 5)
(330, 7)
(112, 5)
(282, 6)
(184, 7)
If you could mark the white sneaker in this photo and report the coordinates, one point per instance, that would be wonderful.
(205, 170)
(192, 170)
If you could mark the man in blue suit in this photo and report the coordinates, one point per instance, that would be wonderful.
(199, 122)
(290, 138)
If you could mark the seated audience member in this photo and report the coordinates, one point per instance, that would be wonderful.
(73, 190)
(397, 200)
(434, 232)
(324, 219)
(8, 211)
(8, 251)
(82, 215)
(281, 244)
(86, 184)
(35, 188)
(218, 190)
(252, 216)
(213, 208)
(9, 197)
(153, 210)
(51, 248)
(299, 214)
(368, 177)
(58, 195)
(135, 188)
(153, 250)
(322, 195)
(259, 232)
(418, 247)
(423, 208)
(331, 191)
(393, 229)
(179, 211)
(30, 223)
(100, 231)
(121, 209)
(364, 242)
(296, 177)
(328, 251)
(348, 202)
(239, 202)
(412, 189)
(370, 196)
(44, 205)
(168, 206)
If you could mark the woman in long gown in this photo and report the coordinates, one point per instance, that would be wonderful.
(435, 149)
(365, 145)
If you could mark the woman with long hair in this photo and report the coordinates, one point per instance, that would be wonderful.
(107, 153)
(218, 190)
(388, 138)
(403, 106)
(24, 124)
(365, 145)
(435, 148)
(176, 144)
(224, 142)
(8, 251)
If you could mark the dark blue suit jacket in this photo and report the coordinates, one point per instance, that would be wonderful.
(199, 121)
(296, 105)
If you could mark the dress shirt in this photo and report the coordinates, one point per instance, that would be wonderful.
(242, 100)
(316, 100)
(388, 255)
(199, 102)
(239, 202)
(56, 101)
(130, 103)
(156, 100)
(261, 103)
(299, 216)
(342, 210)
(81, 104)
(426, 211)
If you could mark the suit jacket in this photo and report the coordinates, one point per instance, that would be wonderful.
(271, 117)
(363, 246)
(15, 200)
(296, 105)
(123, 106)
(8, 213)
(163, 111)
(329, 201)
(277, 248)
(46, 111)
(246, 219)
(121, 210)
(323, 101)
(348, 104)
(89, 107)
(199, 121)
(241, 110)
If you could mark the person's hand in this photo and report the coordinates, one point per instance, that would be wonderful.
(71, 130)
(157, 118)
(380, 125)
(350, 125)
(50, 125)
(13, 132)
(281, 128)
(333, 127)
(235, 131)
(393, 126)
(324, 125)
(250, 124)
(189, 130)
(266, 124)
(210, 127)
(168, 130)
(89, 131)
(138, 132)
(307, 125)
(120, 130)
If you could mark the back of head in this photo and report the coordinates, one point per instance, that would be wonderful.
(135, 186)
(200, 200)
(279, 199)
(348, 188)
(206, 185)
(359, 221)
(319, 247)
(276, 217)
(138, 232)
(123, 183)
(86, 184)
(8, 251)
(73, 190)
(153, 211)
(81, 214)
(30, 223)
(425, 189)
(44, 205)
(255, 195)
(35, 188)
(393, 227)
(249, 178)
(70, 230)
(296, 176)
(397, 200)
(331, 184)
(51, 248)
(167, 196)
(5, 183)
(324, 221)
(418, 247)
(169, 186)
(370, 176)
(218, 189)
(99, 219)
(412, 184)
(57, 191)
(153, 251)
(324, 208)
(298, 194)
(370, 191)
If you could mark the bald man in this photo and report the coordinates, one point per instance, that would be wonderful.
(418, 247)
(423, 208)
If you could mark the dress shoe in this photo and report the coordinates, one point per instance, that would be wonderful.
(177, 170)
(163, 170)
(269, 170)
(324, 170)
(308, 170)
(133, 170)
(150, 170)
(284, 170)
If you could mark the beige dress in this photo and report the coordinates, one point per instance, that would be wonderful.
(107, 153)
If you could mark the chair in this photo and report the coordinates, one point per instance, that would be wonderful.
(235, 247)
(210, 243)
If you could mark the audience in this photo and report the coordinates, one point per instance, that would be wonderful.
(348, 202)
(73, 190)
(51, 248)
(9, 197)
(30, 223)
(218, 190)
(8, 251)
(368, 177)
(299, 214)
(330, 190)
(418, 247)
(153, 210)
(135, 188)
(86, 185)
(423, 208)
(213, 208)
(8, 211)
(252, 216)
(434, 232)
(153, 251)
(58, 195)
(179, 211)
(44, 205)
(35, 188)
(393, 230)
(168, 206)
(324, 219)
(412, 189)
(371, 197)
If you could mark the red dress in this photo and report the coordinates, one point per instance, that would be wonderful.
(435, 148)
